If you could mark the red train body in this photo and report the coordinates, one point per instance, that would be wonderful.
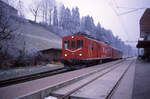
(78, 49)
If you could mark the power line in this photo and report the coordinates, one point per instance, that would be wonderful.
(130, 41)
(130, 7)
(133, 10)
(130, 10)
(122, 24)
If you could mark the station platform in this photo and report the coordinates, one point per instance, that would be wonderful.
(141, 89)
(136, 82)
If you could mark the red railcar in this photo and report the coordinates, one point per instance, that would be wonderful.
(78, 49)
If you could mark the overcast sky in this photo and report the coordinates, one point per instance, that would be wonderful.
(125, 26)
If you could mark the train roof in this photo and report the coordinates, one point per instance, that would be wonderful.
(90, 37)
(96, 40)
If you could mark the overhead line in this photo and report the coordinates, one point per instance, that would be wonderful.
(123, 26)
(119, 14)
(130, 11)
(130, 7)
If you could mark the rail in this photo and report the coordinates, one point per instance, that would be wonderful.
(31, 77)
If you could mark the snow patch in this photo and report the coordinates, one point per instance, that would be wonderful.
(50, 97)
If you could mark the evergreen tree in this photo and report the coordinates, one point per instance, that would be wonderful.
(87, 24)
(66, 24)
(75, 19)
(98, 32)
(62, 15)
(55, 18)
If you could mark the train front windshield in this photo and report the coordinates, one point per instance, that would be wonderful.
(66, 44)
(79, 43)
(73, 44)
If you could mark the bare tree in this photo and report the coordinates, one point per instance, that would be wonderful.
(6, 29)
(50, 16)
(6, 34)
(20, 8)
(35, 8)
(46, 9)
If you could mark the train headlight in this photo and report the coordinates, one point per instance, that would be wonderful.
(80, 54)
(72, 36)
(65, 54)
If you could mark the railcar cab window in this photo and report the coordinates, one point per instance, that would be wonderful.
(73, 44)
(79, 43)
(66, 44)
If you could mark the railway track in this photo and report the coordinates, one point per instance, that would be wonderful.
(95, 77)
(23, 79)
(31, 77)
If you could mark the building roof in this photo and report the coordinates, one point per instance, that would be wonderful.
(143, 44)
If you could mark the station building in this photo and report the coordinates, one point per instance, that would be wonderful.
(145, 34)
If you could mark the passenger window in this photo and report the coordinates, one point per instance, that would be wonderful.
(98, 47)
(92, 45)
(73, 44)
(89, 45)
(103, 49)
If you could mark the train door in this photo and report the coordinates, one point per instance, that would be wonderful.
(92, 48)
(89, 49)
(111, 55)
(96, 50)
(103, 52)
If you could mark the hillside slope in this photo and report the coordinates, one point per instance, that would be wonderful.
(38, 37)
